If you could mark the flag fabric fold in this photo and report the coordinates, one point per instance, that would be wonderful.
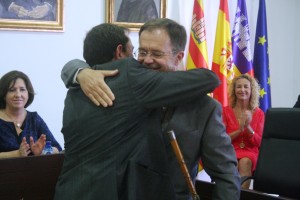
(261, 58)
(241, 49)
(197, 55)
(222, 56)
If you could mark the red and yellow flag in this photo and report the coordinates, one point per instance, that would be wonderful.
(222, 63)
(197, 55)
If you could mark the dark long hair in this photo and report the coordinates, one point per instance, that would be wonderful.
(9, 79)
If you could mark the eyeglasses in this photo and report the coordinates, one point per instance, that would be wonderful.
(154, 54)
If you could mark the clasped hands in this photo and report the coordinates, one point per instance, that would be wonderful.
(35, 147)
(244, 122)
(36, 13)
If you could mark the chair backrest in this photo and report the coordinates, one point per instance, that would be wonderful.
(278, 166)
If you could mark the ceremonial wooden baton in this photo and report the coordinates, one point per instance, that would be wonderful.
(182, 164)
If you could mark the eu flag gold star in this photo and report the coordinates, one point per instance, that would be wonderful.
(262, 92)
(262, 40)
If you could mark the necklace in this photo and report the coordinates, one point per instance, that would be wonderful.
(17, 124)
(242, 144)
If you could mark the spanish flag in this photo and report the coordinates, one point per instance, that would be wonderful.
(197, 55)
(222, 63)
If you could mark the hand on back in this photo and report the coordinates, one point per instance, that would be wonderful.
(93, 85)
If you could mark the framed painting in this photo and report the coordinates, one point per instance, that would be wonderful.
(31, 15)
(134, 13)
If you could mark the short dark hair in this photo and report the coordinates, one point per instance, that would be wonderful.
(175, 31)
(101, 42)
(9, 79)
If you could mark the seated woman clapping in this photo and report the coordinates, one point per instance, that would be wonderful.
(244, 122)
(22, 132)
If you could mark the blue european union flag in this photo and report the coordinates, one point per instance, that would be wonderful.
(261, 58)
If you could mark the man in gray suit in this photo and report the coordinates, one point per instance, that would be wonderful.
(118, 152)
(197, 125)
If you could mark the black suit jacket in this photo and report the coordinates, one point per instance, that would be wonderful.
(118, 152)
(297, 104)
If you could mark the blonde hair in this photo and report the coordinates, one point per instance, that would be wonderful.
(255, 88)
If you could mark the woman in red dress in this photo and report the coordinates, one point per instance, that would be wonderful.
(244, 122)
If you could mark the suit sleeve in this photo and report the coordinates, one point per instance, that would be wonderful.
(218, 157)
(156, 89)
(69, 70)
(297, 104)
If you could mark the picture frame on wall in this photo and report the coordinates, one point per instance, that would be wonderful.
(31, 15)
(133, 14)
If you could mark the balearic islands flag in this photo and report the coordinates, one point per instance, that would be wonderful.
(222, 57)
(241, 50)
(197, 55)
(261, 58)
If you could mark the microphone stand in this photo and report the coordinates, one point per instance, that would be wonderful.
(182, 164)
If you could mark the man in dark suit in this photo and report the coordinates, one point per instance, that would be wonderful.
(198, 126)
(297, 104)
(118, 152)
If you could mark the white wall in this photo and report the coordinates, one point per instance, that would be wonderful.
(41, 55)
